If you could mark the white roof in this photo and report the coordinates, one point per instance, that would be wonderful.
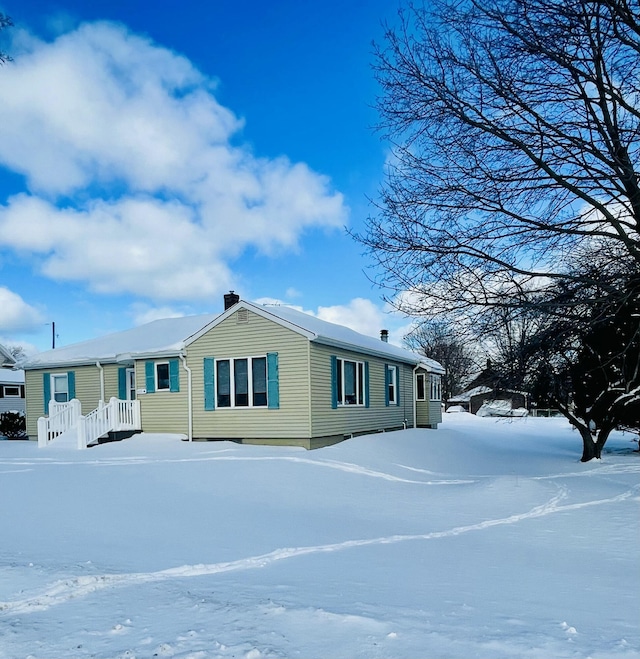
(6, 358)
(465, 396)
(322, 331)
(159, 338)
(11, 376)
(169, 336)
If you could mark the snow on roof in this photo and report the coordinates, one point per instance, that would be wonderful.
(9, 375)
(170, 335)
(6, 358)
(343, 337)
(465, 396)
(160, 337)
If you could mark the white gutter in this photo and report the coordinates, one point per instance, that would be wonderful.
(189, 402)
(101, 369)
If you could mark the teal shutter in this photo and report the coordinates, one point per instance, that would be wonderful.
(334, 382)
(71, 384)
(386, 385)
(209, 384)
(273, 381)
(122, 383)
(150, 377)
(174, 375)
(398, 386)
(366, 384)
(46, 388)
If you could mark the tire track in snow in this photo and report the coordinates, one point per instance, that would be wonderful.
(65, 590)
(330, 464)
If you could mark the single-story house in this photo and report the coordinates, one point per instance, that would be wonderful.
(473, 399)
(12, 394)
(253, 374)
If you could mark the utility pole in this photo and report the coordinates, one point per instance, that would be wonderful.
(53, 335)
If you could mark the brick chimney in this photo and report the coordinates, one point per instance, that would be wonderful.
(384, 335)
(230, 299)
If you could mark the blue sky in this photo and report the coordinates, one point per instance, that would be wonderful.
(155, 155)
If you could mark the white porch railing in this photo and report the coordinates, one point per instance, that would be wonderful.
(69, 424)
(62, 417)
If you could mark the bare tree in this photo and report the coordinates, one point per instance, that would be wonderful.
(5, 21)
(440, 340)
(515, 128)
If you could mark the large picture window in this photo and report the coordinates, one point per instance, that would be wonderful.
(241, 382)
(350, 382)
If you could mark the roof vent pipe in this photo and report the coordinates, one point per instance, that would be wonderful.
(384, 335)
(230, 299)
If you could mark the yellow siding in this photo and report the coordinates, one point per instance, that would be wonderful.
(257, 337)
(429, 412)
(87, 390)
(355, 419)
(163, 411)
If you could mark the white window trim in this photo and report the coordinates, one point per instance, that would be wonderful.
(7, 387)
(424, 387)
(53, 378)
(232, 383)
(130, 382)
(155, 373)
(360, 369)
(392, 382)
(435, 382)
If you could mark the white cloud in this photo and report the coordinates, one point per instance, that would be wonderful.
(143, 313)
(360, 314)
(163, 196)
(16, 315)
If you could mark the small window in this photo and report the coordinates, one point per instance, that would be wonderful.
(421, 390)
(223, 382)
(436, 387)
(11, 392)
(60, 388)
(259, 381)
(163, 381)
(392, 385)
(241, 382)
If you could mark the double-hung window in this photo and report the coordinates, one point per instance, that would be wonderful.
(60, 388)
(241, 382)
(350, 382)
(163, 381)
(436, 387)
(421, 388)
(391, 380)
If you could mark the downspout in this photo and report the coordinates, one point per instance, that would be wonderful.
(413, 386)
(189, 402)
(101, 369)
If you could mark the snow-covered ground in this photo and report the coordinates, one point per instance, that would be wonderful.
(486, 538)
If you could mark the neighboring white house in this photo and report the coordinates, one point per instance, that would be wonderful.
(11, 384)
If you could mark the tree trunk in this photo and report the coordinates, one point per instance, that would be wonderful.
(592, 445)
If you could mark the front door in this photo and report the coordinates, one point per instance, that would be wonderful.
(131, 384)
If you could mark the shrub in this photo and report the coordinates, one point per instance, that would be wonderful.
(13, 425)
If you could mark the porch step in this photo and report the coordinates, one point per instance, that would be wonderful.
(117, 436)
